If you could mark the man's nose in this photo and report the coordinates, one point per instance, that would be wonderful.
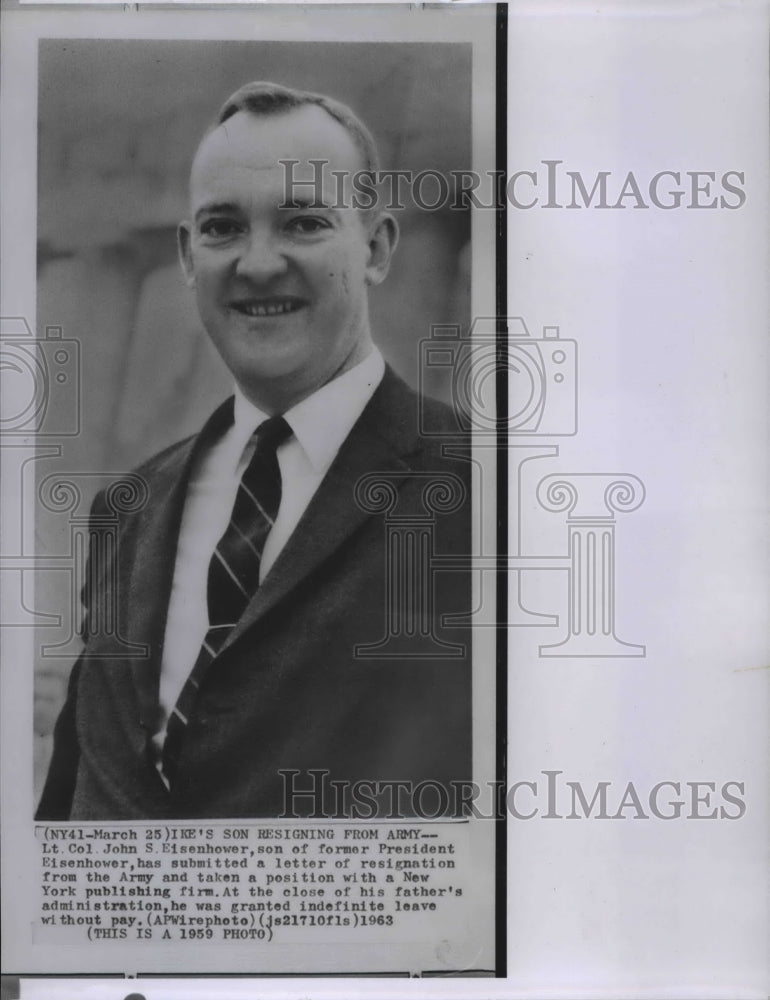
(261, 258)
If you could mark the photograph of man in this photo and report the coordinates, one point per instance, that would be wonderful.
(261, 565)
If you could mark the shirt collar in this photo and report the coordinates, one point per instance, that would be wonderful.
(323, 420)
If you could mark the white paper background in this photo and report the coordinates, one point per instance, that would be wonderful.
(669, 309)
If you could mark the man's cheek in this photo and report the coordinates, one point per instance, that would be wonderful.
(343, 280)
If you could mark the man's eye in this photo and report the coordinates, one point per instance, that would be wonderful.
(308, 224)
(219, 228)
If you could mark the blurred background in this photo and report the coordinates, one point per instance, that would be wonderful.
(119, 122)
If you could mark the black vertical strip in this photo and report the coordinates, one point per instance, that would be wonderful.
(501, 400)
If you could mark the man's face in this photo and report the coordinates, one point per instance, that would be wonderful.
(281, 292)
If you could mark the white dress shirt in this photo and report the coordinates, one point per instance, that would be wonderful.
(320, 424)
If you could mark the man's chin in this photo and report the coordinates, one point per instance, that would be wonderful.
(274, 370)
(275, 379)
(266, 351)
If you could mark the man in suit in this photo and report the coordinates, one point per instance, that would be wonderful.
(296, 655)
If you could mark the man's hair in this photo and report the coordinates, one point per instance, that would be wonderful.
(265, 98)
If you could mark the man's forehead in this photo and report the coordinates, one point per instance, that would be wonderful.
(260, 142)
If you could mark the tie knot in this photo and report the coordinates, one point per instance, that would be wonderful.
(271, 433)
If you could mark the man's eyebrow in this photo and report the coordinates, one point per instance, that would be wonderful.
(298, 202)
(217, 208)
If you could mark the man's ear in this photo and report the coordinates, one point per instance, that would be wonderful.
(383, 239)
(183, 240)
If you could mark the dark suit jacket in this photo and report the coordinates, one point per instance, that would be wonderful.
(288, 692)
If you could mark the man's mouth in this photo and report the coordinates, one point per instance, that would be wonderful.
(267, 307)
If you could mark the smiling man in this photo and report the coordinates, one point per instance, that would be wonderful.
(282, 292)
(262, 579)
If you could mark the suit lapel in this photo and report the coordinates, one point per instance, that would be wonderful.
(381, 440)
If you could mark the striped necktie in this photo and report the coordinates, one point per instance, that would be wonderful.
(233, 576)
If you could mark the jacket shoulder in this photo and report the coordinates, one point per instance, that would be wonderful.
(128, 488)
(440, 418)
(409, 416)
(168, 455)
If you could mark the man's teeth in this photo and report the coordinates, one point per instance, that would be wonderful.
(266, 308)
